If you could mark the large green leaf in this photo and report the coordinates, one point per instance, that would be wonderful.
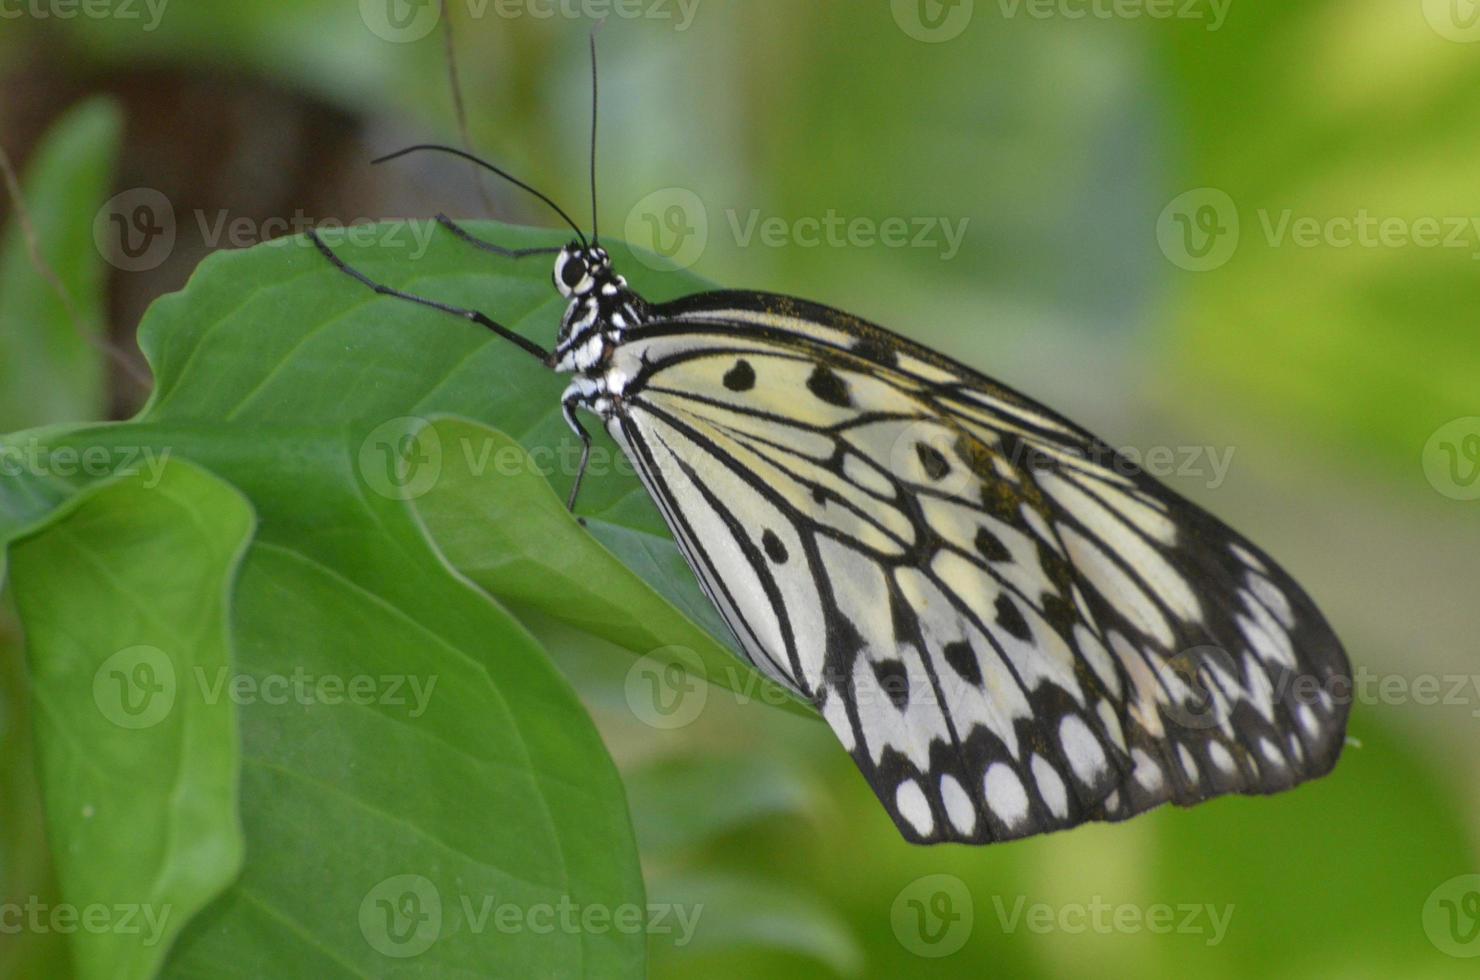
(50, 370)
(124, 597)
(297, 387)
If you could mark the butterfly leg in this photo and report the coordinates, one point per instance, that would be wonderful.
(568, 406)
(473, 315)
(476, 242)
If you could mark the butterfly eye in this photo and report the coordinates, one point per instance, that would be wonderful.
(572, 272)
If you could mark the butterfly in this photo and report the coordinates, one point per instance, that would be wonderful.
(1009, 626)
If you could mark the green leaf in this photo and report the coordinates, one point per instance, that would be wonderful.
(282, 377)
(466, 764)
(124, 597)
(50, 371)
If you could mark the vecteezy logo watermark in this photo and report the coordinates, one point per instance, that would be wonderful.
(1451, 459)
(1454, 20)
(1451, 917)
(135, 688)
(667, 688)
(135, 230)
(1194, 680)
(401, 459)
(1199, 230)
(404, 21)
(932, 21)
(401, 916)
(673, 225)
(1213, 13)
(149, 11)
(832, 230)
(933, 916)
(35, 458)
(1107, 918)
(404, 915)
(123, 919)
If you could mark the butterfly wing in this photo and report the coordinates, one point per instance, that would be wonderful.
(1009, 626)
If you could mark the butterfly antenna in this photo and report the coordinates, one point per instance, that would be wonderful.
(595, 236)
(454, 82)
(439, 148)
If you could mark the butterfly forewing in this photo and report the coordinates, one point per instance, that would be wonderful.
(1010, 627)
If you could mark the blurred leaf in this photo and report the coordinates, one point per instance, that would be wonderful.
(678, 803)
(733, 913)
(25, 855)
(1359, 339)
(49, 371)
(124, 600)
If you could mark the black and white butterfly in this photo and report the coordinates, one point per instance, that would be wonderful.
(1009, 626)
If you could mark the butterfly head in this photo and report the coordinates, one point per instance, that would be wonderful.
(582, 269)
(600, 305)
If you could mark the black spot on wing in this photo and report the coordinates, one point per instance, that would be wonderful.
(828, 386)
(932, 460)
(1010, 618)
(893, 681)
(775, 550)
(990, 547)
(963, 661)
(741, 377)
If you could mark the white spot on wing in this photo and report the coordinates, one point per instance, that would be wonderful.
(1246, 556)
(909, 800)
(1085, 754)
(1189, 764)
(1094, 652)
(958, 805)
(1147, 772)
(1273, 599)
(1005, 794)
(1051, 787)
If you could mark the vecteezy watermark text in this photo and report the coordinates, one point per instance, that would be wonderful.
(151, 12)
(405, 21)
(136, 230)
(1201, 230)
(404, 915)
(1112, 918)
(124, 919)
(35, 458)
(674, 225)
(138, 687)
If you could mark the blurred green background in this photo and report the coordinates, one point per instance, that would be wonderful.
(1215, 228)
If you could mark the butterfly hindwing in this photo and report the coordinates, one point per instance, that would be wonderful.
(1011, 628)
